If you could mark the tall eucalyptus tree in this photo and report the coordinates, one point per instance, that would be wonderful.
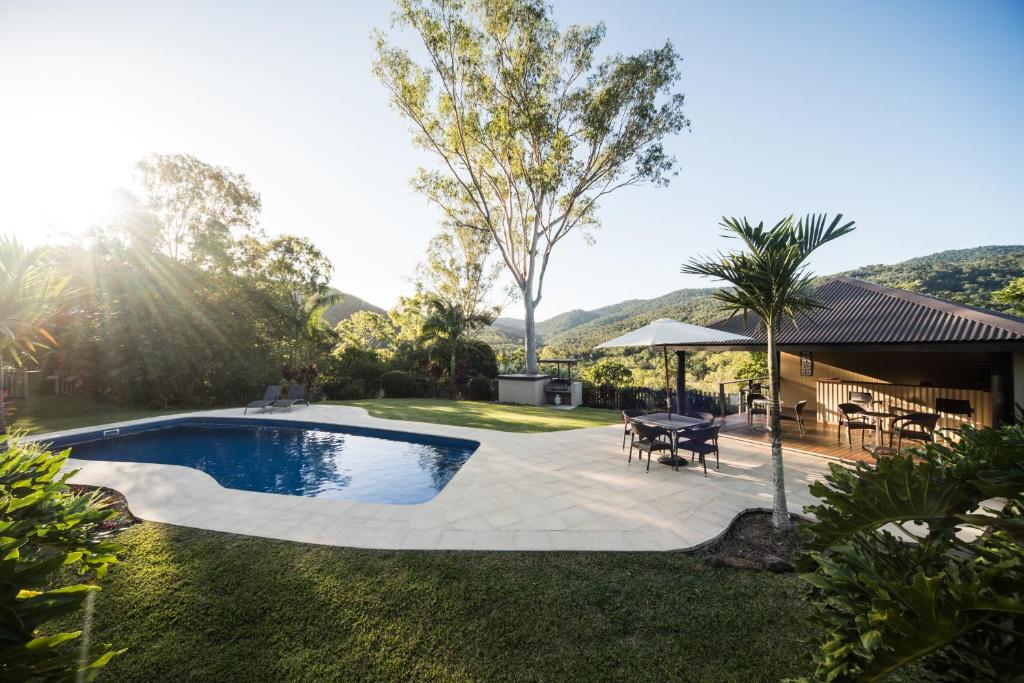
(529, 130)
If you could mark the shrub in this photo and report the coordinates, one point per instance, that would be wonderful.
(396, 384)
(46, 527)
(480, 389)
(932, 595)
(475, 358)
(608, 371)
(304, 374)
(342, 389)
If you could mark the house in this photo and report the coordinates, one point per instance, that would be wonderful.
(905, 349)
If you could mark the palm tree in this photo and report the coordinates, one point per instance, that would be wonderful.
(770, 280)
(447, 323)
(30, 294)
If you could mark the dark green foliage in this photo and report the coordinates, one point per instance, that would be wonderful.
(397, 384)
(209, 606)
(360, 365)
(969, 276)
(953, 599)
(480, 389)
(44, 527)
(475, 358)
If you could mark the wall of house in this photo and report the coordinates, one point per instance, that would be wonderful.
(965, 372)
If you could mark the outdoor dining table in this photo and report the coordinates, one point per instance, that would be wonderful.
(766, 402)
(879, 416)
(673, 424)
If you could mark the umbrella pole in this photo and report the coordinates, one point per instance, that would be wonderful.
(668, 396)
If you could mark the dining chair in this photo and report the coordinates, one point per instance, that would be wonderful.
(647, 438)
(627, 429)
(957, 409)
(860, 397)
(701, 441)
(752, 409)
(700, 415)
(855, 418)
(798, 415)
(913, 427)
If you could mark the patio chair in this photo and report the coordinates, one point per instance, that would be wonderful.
(701, 415)
(957, 409)
(702, 441)
(913, 427)
(759, 409)
(273, 393)
(296, 394)
(853, 413)
(627, 429)
(797, 417)
(648, 439)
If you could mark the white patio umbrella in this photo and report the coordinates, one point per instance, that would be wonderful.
(666, 332)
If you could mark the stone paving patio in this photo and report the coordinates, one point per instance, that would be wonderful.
(569, 490)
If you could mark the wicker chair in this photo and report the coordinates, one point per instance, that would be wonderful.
(627, 429)
(913, 427)
(760, 409)
(648, 439)
(956, 408)
(853, 413)
(702, 441)
(797, 417)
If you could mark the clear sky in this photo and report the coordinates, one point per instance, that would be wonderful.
(905, 116)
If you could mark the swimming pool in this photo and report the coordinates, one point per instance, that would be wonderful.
(293, 458)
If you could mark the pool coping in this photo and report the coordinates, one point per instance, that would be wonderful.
(567, 490)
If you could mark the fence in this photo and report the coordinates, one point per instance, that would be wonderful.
(22, 383)
(646, 398)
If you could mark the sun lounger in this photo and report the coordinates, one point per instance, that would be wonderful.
(296, 394)
(273, 393)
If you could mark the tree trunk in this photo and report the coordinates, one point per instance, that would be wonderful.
(451, 371)
(780, 511)
(531, 332)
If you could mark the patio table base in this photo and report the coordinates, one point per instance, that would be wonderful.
(673, 461)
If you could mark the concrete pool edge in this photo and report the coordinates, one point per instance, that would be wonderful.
(544, 491)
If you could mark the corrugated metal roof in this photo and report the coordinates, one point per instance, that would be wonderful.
(860, 312)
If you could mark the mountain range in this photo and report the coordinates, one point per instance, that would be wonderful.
(964, 275)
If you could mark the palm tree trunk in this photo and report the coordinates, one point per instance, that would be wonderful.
(780, 511)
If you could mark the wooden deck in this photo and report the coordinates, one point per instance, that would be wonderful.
(818, 439)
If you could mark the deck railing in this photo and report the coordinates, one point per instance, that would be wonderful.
(646, 398)
(743, 386)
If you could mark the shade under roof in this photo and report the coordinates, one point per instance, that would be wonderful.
(668, 332)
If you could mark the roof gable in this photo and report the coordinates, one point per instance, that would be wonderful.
(859, 312)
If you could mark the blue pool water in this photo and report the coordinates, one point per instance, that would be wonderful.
(322, 461)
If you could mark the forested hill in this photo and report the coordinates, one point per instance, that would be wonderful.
(348, 305)
(964, 275)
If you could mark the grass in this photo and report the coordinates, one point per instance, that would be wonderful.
(202, 605)
(53, 413)
(505, 418)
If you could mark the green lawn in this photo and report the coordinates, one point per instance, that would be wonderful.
(49, 414)
(208, 606)
(504, 418)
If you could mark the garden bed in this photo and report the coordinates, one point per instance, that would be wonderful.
(751, 542)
